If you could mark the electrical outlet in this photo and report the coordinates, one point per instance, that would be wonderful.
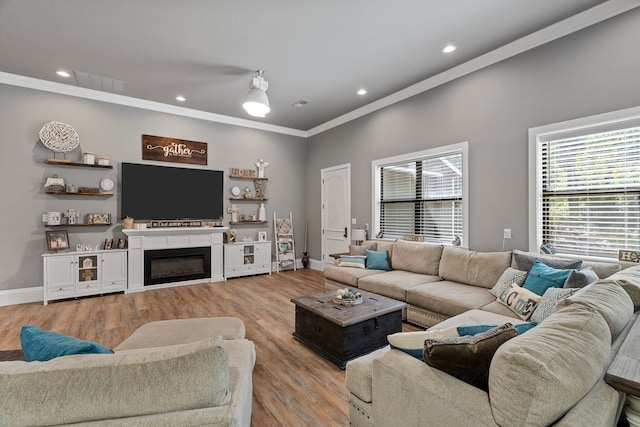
(507, 233)
(366, 227)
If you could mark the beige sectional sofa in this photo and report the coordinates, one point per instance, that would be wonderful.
(550, 375)
(436, 281)
(187, 372)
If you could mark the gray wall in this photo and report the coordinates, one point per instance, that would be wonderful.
(115, 131)
(593, 71)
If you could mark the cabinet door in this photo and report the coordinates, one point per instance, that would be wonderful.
(233, 255)
(114, 267)
(59, 271)
(263, 253)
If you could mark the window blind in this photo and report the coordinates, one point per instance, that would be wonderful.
(422, 196)
(591, 192)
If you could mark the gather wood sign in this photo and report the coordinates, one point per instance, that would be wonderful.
(173, 150)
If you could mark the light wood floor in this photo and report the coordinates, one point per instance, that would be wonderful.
(292, 385)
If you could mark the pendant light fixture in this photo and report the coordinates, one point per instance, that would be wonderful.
(257, 103)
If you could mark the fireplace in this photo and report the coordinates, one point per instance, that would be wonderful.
(175, 265)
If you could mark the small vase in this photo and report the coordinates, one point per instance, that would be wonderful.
(262, 213)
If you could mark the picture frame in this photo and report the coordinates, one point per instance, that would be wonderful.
(262, 236)
(122, 243)
(57, 240)
(108, 243)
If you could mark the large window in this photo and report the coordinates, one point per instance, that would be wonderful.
(588, 187)
(422, 193)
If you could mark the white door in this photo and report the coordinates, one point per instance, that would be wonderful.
(336, 210)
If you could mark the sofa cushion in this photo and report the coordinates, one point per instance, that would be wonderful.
(580, 278)
(542, 277)
(41, 345)
(378, 260)
(394, 284)
(358, 373)
(382, 245)
(473, 268)
(629, 279)
(549, 301)
(606, 297)
(136, 382)
(520, 300)
(467, 357)
(498, 308)
(416, 257)
(538, 376)
(346, 275)
(510, 275)
(525, 260)
(412, 343)
(448, 298)
(183, 331)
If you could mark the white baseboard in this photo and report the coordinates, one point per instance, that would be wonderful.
(36, 294)
(22, 296)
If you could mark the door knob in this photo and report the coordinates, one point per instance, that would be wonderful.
(345, 232)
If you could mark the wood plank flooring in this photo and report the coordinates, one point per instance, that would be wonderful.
(292, 385)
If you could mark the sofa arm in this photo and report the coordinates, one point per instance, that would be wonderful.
(407, 391)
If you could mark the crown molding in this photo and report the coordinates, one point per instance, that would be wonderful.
(112, 98)
(555, 31)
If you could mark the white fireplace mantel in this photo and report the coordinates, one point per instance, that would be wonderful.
(140, 240)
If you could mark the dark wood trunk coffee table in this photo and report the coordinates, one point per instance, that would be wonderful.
(342, 333)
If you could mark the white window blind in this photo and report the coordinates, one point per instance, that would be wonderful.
(591, 192)
(422, 195)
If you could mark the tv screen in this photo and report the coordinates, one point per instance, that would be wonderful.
(161, 192)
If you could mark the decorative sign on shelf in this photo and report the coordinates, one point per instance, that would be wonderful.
(173, 150)
(626, 255)
(165, 224)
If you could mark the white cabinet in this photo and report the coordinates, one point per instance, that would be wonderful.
(74, 274)
(244, 259)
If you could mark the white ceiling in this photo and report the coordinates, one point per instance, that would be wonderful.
(322, 51)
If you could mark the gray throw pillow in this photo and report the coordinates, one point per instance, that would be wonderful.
(581, 278)
(361, 250)
(510, 275)
(467, 358)
(525, 262)
(549, 299)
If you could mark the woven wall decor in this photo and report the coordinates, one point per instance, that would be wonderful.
(59, 137)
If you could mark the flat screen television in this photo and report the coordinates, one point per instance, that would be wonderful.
(169, 193)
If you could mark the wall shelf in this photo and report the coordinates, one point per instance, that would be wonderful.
(78, 225)
(247, 222)
(76, 164)
(252, 178)
(98, 194)
(233, 199)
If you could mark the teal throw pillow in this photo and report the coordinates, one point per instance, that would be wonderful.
(542, 277)
(41, 345)
(378, 260)
(478, 329)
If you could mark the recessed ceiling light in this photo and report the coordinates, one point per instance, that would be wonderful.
(63, 73)
(449, 48)
(180, 98)
(362, 92)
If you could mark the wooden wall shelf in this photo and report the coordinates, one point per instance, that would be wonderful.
(233, 199)
(247, 222)
(76, 164)
(82, 194)
(253, 178)
(78, 225)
